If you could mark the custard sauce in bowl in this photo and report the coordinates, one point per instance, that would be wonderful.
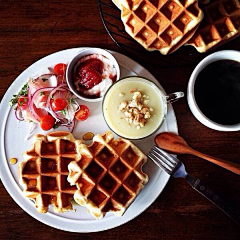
(122, 91)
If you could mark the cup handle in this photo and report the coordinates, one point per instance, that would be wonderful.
(173, 97)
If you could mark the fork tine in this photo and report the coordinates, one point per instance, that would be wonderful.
(155, 161)
(159, 163)
(169, 157)
(163, 158)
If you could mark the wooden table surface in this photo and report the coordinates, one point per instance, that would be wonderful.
(30, 30)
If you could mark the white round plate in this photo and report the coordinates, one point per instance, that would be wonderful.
(12, 144)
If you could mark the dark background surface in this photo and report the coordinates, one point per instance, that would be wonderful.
(30, 30)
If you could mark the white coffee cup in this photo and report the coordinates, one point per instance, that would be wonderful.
(221, 55)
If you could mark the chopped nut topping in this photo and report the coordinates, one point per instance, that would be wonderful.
(121, 94)
(133, 90)
(147, 115)
(146, 101)
(145, 110)
(122, 106)
(128, 114)
(136, 111)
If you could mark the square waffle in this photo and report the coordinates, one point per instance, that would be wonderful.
(162, 25)
(108, 175)
(43, 173)
(221, 24)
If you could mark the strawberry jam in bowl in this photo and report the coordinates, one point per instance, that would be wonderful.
(90, 73)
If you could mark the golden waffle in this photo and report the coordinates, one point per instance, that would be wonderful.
(43, 173)
(221, 24)
(162, 25)
(108, 175)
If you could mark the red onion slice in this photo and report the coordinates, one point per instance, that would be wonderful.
(61, 79)
(17, 114)
(70, 125)
(31, 104)
(68, 121)
(61, 87)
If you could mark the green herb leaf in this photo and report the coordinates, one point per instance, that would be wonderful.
(22, 92)
(13, 101)
(55, 125)
(64, 112)
(42, 93)
(71, 100)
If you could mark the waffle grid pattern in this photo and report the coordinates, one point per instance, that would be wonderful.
(44, 172)
(221, 24)
(108, 175)
(160, 25)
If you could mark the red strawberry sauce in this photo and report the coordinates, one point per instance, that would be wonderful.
(89, 73)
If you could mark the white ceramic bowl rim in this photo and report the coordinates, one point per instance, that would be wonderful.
(220, 55)
(85, 52)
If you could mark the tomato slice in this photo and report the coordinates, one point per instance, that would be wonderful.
(60, 69)
(22, 101)
(58, 104)
(47, 122)
(41, 112)
(83, 113)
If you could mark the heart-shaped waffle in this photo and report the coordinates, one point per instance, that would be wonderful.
(108, 175)
(43, 173)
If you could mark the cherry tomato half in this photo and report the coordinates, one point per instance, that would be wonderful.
(22, 101)
(83, 113)
(60, 69)
(47, 122)
(58, 104)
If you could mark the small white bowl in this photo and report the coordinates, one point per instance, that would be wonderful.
(221, 55)
(73, 62)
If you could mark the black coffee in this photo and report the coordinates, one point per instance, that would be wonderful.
(217, 91)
